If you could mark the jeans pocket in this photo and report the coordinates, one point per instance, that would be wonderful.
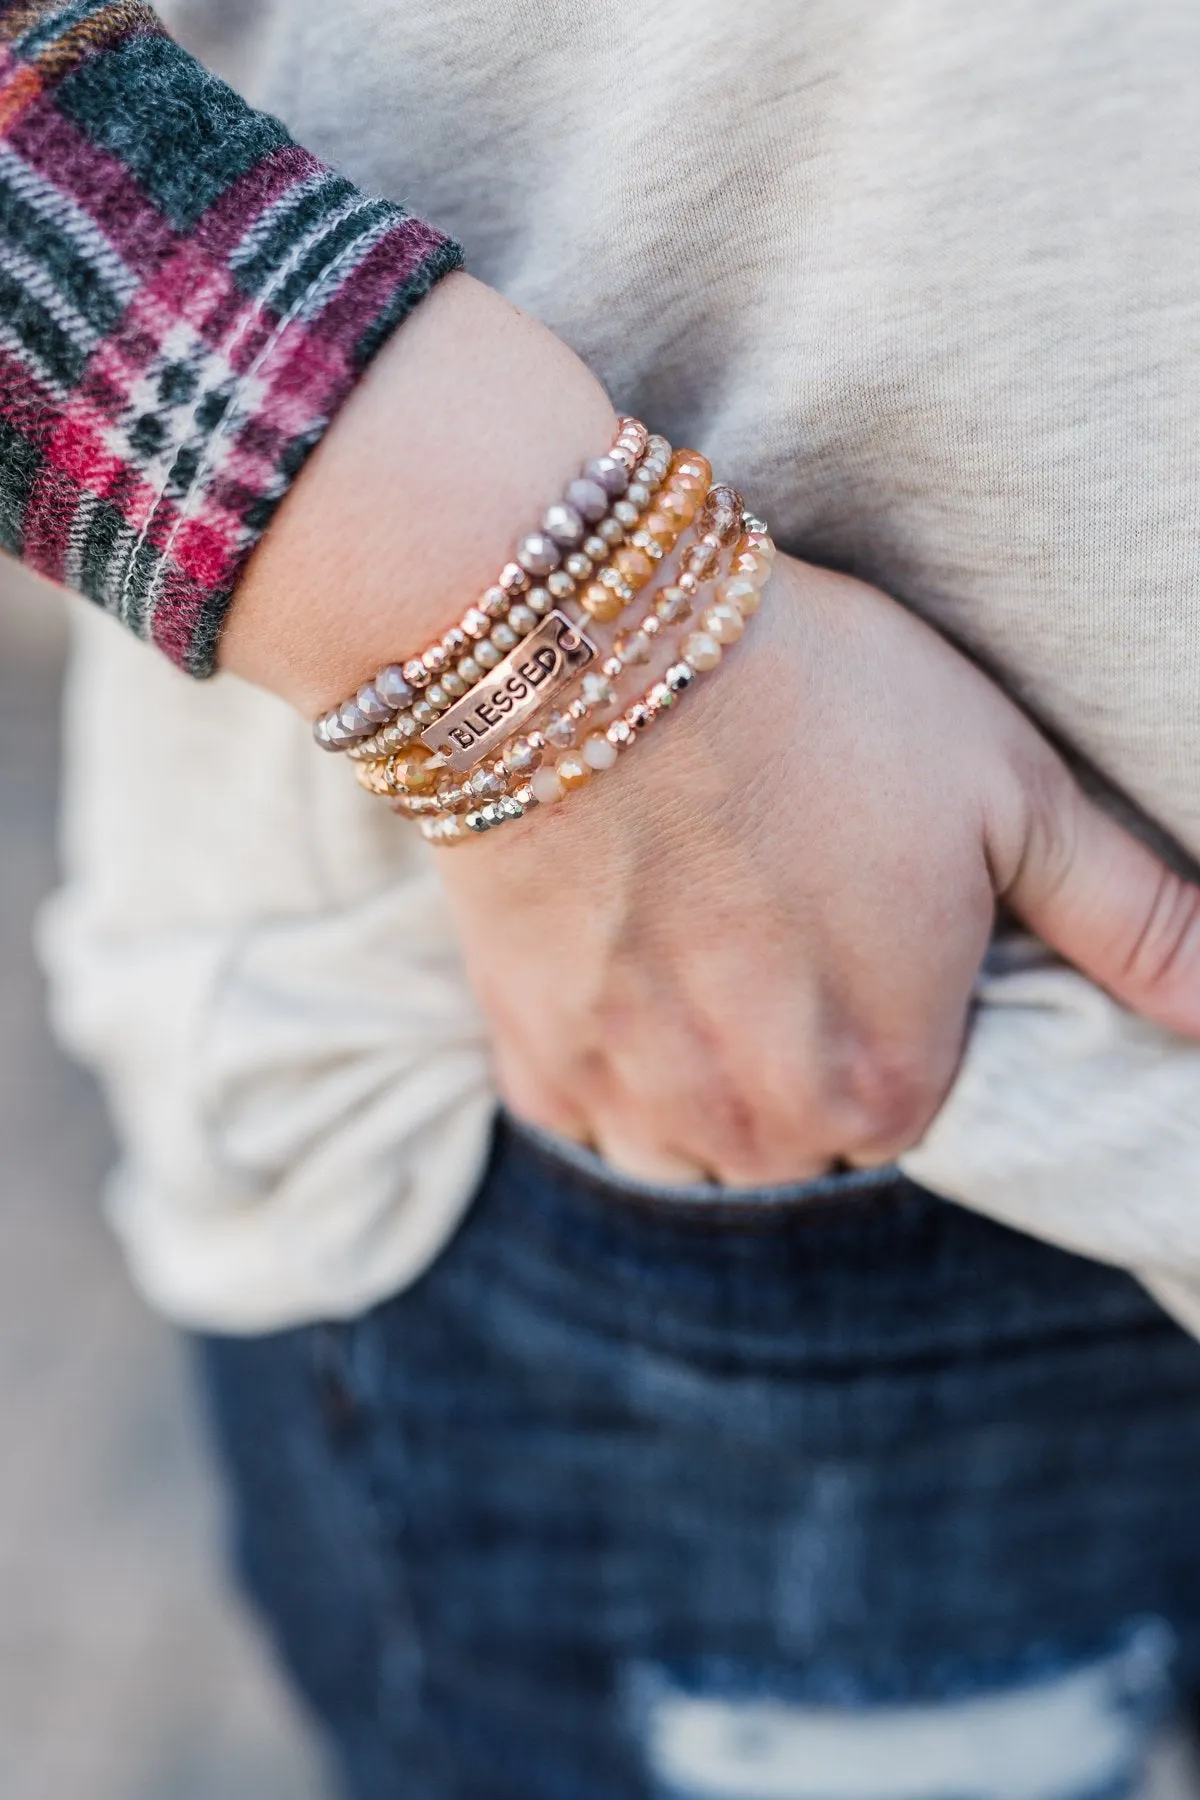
(577, 1166)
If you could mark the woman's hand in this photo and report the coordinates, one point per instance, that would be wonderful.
(749, 951)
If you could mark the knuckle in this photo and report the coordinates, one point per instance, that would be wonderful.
(889, 1095)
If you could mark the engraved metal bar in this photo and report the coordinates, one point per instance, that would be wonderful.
(531, 675)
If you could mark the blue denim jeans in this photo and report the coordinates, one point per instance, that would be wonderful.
(835, 1493)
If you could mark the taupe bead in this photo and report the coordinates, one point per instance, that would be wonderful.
(538, 553)
(560, 584)
(470, 671)
(625, 514)
(579, 567)
(612, 531)
(564, 524)
(454, 684)
(424, 713)
(372, 705)
(595, 549)
(522, 618)
(487, 655)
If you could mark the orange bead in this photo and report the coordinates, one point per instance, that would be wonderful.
(411, 772)
(693, 465)
(572, 771)
(634, 565)
(663, 530)
(601, 603)
(674, 504)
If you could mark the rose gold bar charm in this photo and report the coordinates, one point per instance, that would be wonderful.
(530, 676)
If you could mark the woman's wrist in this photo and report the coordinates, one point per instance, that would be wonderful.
(468, 422)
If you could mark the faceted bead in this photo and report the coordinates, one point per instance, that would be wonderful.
(453, 684)
(634, 565)
(538, 553)
(661, 697)
(476, 623)
(520, 756)
(625, 514)
(546, 787)
(589, 499)
(752, 567)
(632, 647)
(435, 659)
(737, 591)
(637, 495)
(610, 474)
(560, 730)
(470, 670)
(565, 524)
(423, 713)
(578, 566)
(487, 655)
(415, 673)
(679, 677)
(485, 784)
(454, 642)
(598, 690)
(673, 605)
(560, 584)
(539, 601)
(601, 603)
(691, 463)
(513, 579)
(639, 716)
(572, 770)
(673, 504)
(495, 602)
(722, 523)
(412, 773)
(701, 561)
(339, 737)
(620, 734)
(352, 721)
(595, 549)
(392, 686)
(437, 697)
(598, 753)
(372, 705)
(522, 620)
(663, 530)
(701, 651)
(759, 543)
(723, 622)
(503, 637)
(612, 531)
(405, 727)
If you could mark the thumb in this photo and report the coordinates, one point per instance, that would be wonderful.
(1107, 904)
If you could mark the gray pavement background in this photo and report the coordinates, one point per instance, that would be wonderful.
(127, 1670)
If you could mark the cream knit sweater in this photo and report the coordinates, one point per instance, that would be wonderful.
(924, 278)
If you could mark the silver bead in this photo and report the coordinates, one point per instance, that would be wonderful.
(470, 670)
(578, 566)
(636, 495)
(522, 618)
(437, 697)
(487, 655)
(520, 757)
(625, 514)
(595, 549)
(484, 784)
(510, 807)
(612, 531)
(538, 553)
(560, 584)
(423, 713)
(503, 638)
(539, 601)
(564, 524)
(453, 684)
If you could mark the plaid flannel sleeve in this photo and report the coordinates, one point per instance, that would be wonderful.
(186, 297)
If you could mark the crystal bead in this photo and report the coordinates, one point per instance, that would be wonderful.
(470, 671)
(672, 604)
(495, 602)
(405, 727)
(560, 730)
(598, 753)
(487, 655)
(546, 787)
(372, 705)
(538, 553)
(598, 690)
(737, 591)
(392, 686)
(454, 642)
(484, 784)
(682, 508)
(412, 772)
(352, 721)
(690, 462)
(639, 716)
(600, 603)
(572, 770)
(701, 561)
(610, 474)
(661, 697)
(539, 601)
(747, 565)
(520, 756)
(723, 622)
(565, 524)
(758, 543)
(634, 565)
(522, 619)
(632, 647)
(503, 638)
(588, 498)
(701, 651)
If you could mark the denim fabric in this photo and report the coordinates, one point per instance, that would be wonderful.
(840, 1493)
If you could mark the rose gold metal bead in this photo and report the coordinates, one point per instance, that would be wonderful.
(612, 666)
(435, 659)
(638, 716)
(620, 734)
(454, 641)
(651, 625)
(513, 578)
(578, 708)
(476, 622)
(415, 673)
(495, 602)
(660, 697)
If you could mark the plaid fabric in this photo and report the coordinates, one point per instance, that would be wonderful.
(186, 297)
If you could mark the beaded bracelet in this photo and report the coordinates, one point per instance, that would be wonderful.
(577, 536)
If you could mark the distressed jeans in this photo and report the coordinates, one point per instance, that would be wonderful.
(832, 1493)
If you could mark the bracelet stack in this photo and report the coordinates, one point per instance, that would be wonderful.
(526, 698)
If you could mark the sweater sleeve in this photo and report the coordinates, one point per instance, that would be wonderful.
(186, 298)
